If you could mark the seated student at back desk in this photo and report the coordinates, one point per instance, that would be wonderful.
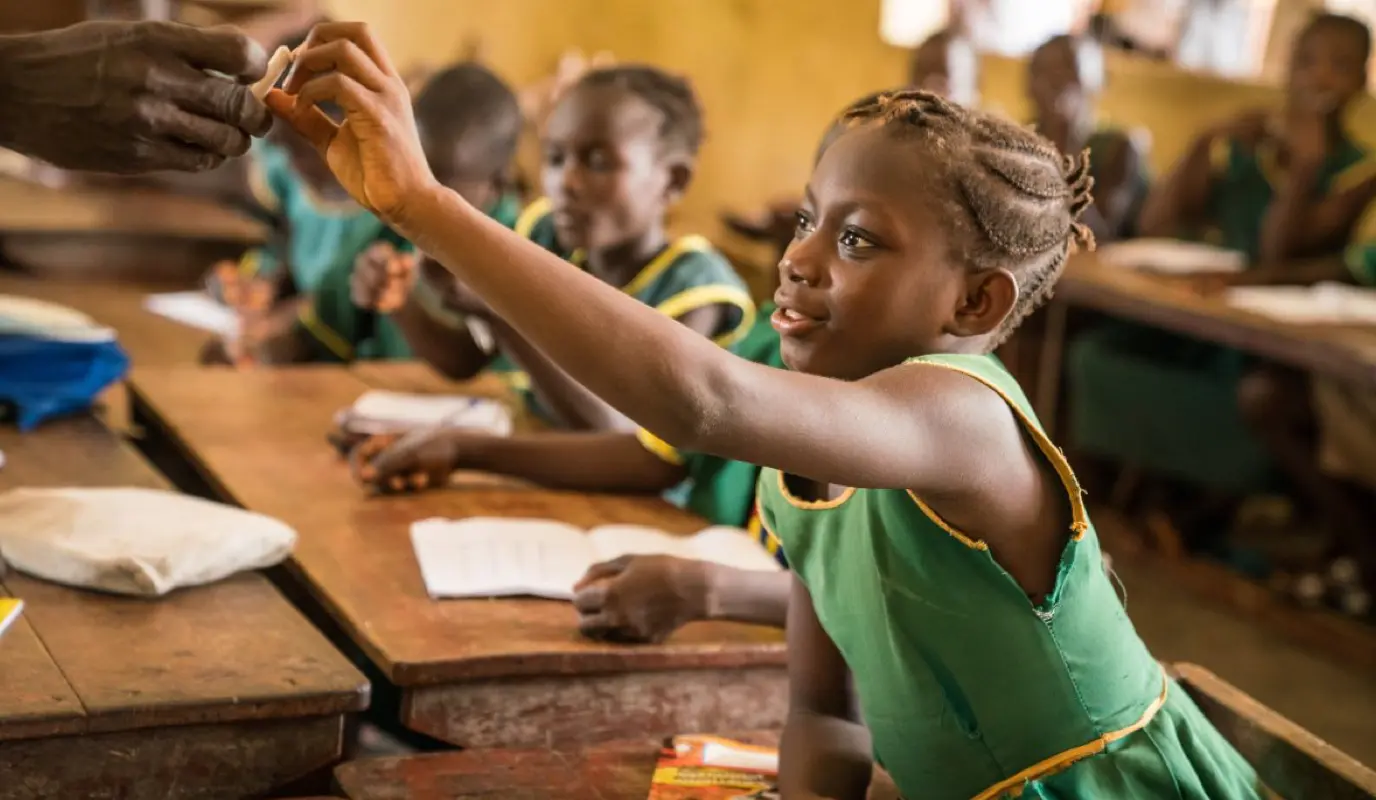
(1277, 191)
(1064, 77)
(470, 122)
(945, 566)
(620, 147)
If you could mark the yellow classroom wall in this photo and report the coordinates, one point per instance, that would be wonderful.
(770, 74)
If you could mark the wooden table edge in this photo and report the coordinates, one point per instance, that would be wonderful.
(423, 674)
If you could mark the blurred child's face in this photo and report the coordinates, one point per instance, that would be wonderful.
(867, 282)
(1053, 81)
(459, 166)
(605, 171)
(1327, 70)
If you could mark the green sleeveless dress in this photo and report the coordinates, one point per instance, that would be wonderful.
(970, 691)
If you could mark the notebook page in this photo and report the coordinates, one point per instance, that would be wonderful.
(378, 412)
(614, 541)
(1171, 257)
(732, 547)
(489, 557)
(1321, 304)
(194, 309)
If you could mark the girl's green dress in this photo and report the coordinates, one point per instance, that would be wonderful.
(971, 691)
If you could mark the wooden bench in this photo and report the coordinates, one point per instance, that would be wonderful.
(1290, 760)
(222, 691)
(474, 673)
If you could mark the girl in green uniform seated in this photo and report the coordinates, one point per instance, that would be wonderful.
(1064, 77)
(1277, 191)
(470, 123)
(619, 151)
(943, 558)
(637, 598)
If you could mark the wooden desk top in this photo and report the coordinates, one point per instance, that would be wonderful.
(31, 208)
(148, 338)
(259, 438)
(86, 662)
(1340, 351)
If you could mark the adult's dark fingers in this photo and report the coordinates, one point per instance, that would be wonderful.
(223, 49)
(211, 96)
(355, 32)
(167, 121)
(338, 56)
(169, 155)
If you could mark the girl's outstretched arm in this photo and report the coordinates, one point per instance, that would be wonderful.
(671, 380)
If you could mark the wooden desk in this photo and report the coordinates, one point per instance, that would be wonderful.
(219, 691)
(118, 233)
(1344, 352)
(476, 673)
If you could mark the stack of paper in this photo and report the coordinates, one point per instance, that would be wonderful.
(24, 316)
(1171, 257)
(381, 412)
(1320, 304)
(194, 309)
(483, 557)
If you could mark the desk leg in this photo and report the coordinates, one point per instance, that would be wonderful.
(198, 762)
(563, 712)
(1049, 366)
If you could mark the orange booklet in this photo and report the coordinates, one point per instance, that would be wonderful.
(710, 768)
(9, 612)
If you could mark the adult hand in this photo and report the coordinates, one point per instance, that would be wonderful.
(642, 598)
(382, 279)
(375, 153)
(414, 462)
(131, 97)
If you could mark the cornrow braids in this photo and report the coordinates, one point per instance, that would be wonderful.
(1013, 200)
(682, 127)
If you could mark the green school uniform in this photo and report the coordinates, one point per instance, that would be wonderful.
(719, 489)
(1168, 403)
(1361, 262)
(321, 234)
(687, 275)
(343, 332)
(968, 689)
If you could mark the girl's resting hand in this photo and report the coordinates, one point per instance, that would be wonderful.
(642, 598)
(382, 279)
(375, 153)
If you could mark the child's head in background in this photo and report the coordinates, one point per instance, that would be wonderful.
(619, 150)
(926, 228)
(1064, 76)
(946, 64)
(1328, 67)
(469, 123)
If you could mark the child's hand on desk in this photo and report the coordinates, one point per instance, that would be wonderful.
(375, 154)
(382, 279)
(642, 598)
(252, 299)
(412, 463)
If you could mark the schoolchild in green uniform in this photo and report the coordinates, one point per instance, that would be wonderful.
(945, 566)
(1064, 78)
(1277, 189)
(619, 151)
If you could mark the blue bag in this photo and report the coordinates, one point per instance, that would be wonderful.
(43, 378)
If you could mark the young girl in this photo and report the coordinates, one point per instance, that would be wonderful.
(943, 557)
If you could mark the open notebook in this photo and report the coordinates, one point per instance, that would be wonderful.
(489, 557)
(1320, 304)
(1170, 257)
(380, 412)
(194, 309)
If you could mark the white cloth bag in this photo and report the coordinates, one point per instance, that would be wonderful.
(134, 541)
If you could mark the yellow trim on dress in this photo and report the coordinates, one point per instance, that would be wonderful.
(324, 334)
(1012, 787)
(1353, 175)
(531, 216)
(813, 505)
(250, 263)
(260, 188)
(517, 380)
(662, 449)
(1079, 522)
(762, 532)
(709, 295)
(661, 262)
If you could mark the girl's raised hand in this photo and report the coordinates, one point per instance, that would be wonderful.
(374, 153)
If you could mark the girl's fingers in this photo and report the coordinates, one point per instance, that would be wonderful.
(307, 120)
(341, 56)
(356, 33)
(343, 90)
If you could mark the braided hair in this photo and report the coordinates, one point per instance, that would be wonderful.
(681, 126)
(1013, 200)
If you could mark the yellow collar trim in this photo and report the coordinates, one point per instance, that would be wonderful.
(813, 505)
(531, 216)
(666, 259)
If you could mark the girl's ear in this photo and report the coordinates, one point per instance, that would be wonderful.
(989, 298)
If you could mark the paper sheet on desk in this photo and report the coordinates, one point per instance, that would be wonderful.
(1171, 257)
(25, 316)
(195, 310)
(381, 412)
(1320, 304)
